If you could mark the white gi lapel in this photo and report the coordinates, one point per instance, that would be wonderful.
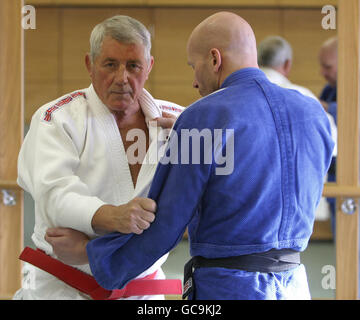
(123, 186)
(151, 110)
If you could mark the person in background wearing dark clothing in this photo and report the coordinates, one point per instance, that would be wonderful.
(328, 64)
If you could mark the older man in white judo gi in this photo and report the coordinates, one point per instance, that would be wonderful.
(78, 159)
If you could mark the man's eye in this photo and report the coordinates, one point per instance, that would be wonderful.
(134, 66)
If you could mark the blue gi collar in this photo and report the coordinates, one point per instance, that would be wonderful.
(242, 75)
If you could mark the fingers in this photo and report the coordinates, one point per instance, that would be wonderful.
(142, 221)
(54, 241)
(48, 239)
(140, 227)
(146, 204)
(53, 235)
(142, 214)
(168, 115)
(68, 245)
(166, 121)
(56, 232)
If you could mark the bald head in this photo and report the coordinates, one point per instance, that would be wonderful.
(330, 45)
(229, 33)
(328, 60)
(225, 42)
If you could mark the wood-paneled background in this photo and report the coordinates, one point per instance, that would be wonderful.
(55, 50)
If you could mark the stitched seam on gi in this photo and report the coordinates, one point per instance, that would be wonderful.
(285, 174)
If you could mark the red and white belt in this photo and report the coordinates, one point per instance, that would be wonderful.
(88, 285)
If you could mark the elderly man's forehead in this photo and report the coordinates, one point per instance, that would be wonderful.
(127, 42)
(112, 44)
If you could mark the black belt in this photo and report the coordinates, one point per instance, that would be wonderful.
(270, 261)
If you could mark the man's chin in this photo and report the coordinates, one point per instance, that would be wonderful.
(120, 105)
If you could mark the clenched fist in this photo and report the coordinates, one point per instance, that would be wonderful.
(132, 217)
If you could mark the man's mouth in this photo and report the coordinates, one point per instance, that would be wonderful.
(120, 92)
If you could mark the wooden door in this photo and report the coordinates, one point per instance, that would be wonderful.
(11, 135)
(347, 171)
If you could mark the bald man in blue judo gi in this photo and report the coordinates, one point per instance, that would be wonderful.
(249, 218)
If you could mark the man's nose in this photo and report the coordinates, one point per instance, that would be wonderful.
(195, 84)
(121, 75)
(323, 72)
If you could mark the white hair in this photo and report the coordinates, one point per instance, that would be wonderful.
(123, 29)
(273, 52)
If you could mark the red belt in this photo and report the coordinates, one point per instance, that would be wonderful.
(88, 285)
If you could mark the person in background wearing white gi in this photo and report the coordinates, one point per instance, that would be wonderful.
(275, 58)
(75, 159)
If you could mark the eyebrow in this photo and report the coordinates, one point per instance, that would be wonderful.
(108, 59)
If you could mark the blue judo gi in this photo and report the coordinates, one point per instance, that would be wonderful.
(281, 146)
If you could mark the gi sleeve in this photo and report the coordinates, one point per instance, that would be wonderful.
(177, 189)
(47, 166)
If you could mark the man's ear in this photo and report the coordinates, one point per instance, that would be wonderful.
(216, 59)
(88, 63)
(151, 63)
(287, 67)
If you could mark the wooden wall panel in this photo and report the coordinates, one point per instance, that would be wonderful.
(302, 28)
(347, 166)
(171, 70)
(265, 22)
(214, 3)
(172, 29)
(191, 3)
(42, 46)
(306, 3)
(99, 2)
(42, 60)
(11, 136)
(85, 3)
(55, 50)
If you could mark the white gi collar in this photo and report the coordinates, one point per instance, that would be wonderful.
(148, 104)
(276, 77)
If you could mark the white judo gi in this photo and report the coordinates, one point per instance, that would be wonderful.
(72, 162)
